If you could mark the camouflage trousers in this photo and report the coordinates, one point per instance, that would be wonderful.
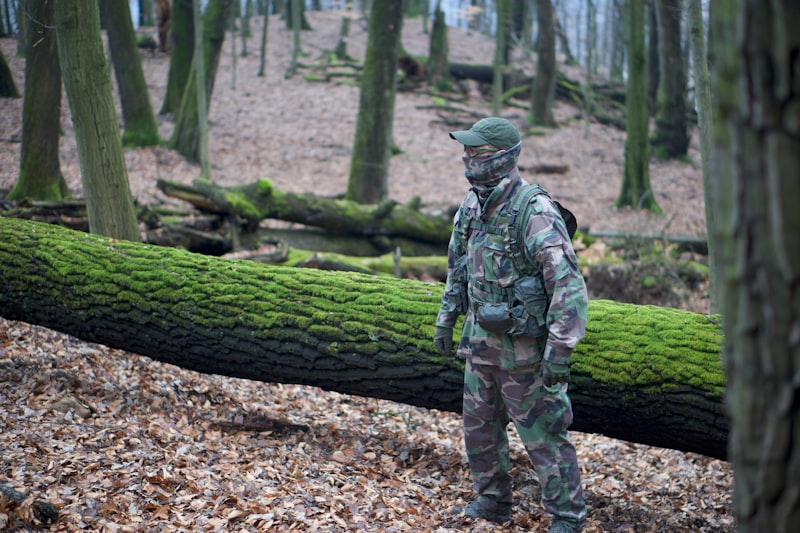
(492, 397)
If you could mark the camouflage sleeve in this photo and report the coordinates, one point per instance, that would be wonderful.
(548, 243)
(454, 298)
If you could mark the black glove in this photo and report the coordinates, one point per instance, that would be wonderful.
(554, 373)
(443, 340)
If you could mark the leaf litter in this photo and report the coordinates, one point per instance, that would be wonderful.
(119, 442)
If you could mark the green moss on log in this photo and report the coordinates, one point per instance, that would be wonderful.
(642, 373)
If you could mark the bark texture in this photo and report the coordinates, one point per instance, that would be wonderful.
(141, 128)
(671, 135)
(758, 114)
(545, 82)
(40, 176)
(644, 374)
(636, 190)
(259, 200)
(369, 166)
(91, 103)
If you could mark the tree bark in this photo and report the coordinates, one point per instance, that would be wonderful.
(438, 51)
(260, 200)
(644, 374)
(636, 190)
(141, 128)
(88, 87)
(8, 89)
(544, 84)
(372, 146)
(671, 135)
(181, 53)
(755, 62)
(40, 176)
(705, 120)
(185, 138)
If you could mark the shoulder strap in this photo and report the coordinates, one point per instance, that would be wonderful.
(516, 227)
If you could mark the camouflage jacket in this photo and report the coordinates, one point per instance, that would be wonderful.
(481, 275)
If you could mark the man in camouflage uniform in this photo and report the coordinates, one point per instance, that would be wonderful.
(523, 319)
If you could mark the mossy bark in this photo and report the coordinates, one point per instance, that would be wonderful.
(260, 200)
(644, 374)
(40, 176)
(544, 84)
(372, 146)
(636, 190)
(88, 87)
(185, 136)
(438, 51)
(181, 53)
(141, 128)
(671, 135)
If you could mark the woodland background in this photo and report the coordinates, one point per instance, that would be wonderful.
(125, 443)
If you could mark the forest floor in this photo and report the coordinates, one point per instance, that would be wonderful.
(123, 443)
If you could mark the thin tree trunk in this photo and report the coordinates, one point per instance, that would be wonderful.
(438, 51)
(544, 84)
(702, 88)
(372, 146)
(262, 58)
(8, 89)
(202, 96)
(642, 373)
(499, 64)
(141, 128)
(88, 87)
(181, 54)
(40, 176)
(671, 135)
(185, 137)
(636, 191)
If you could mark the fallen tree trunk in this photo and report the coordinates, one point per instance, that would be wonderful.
(260, 200)
(644, 374)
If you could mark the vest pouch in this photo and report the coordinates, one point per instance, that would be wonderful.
(524, 323)
(494, 318)
(457, 297)
(532, 306)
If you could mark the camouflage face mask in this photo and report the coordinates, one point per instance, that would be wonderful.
(486, 171)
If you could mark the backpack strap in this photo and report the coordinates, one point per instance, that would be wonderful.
(515, 246)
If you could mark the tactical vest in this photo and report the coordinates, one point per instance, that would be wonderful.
(506, 226)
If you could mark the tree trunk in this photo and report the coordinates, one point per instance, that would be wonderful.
(185, 137)
(642, 373)
(541, 112)
(438, 51)
(372, 146)
(636, 190)
(40, 176)
(262, 57)
(141, 128)
(702, 86)
(88, 87)
(500, 65)
(181, 53)
(8, 89)
(260, 200)
(756, 68)
(653, 71)
(671, 136)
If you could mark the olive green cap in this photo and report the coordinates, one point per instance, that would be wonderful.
(496, 131)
